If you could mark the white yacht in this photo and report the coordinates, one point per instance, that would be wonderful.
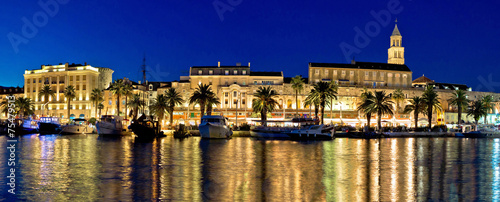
(313, 132)
(77, 126)
(110, 125)
(215, 127)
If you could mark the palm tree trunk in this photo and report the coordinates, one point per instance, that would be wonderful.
(459, 115)
(171, 117)
(69, 101)
(416, 119)
(429, 115)
(118, 105)
(379, 121)
(263, 116)
(126, 107)
(202, 109)
(96, 110)
(368, 119)
(322, 114)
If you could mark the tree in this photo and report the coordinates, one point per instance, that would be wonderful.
(488, 105)
(159, 107)
(46, 92)
(200, 97)
(96, 98)
(381, 104)
(118, 88)
(211, 101)
(173, 97)
(398, 96)
(312, 101)
(416, 106)
(460, 100)
(135, 103)
(24, 106)
(477, 109)
(324, 92)
(5, 105)
(69, 93)
(431, 102)
(264, 102)
(127, 91)
(100, 106)
(298, 86)
(365, 105)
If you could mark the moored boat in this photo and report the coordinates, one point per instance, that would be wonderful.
(313, 132)
(269, 132)
(215, 127)
(77, 126)
(481, 132)
(146, 128)
(110, 125)
(49, 125)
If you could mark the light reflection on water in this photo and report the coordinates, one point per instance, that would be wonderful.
(89, 167)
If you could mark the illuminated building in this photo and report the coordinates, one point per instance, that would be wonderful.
(83, 77)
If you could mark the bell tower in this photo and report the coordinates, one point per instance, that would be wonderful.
(396, 51)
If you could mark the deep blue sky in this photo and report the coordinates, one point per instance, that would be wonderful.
(448, 41)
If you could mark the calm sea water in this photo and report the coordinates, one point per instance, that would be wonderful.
(90, 168)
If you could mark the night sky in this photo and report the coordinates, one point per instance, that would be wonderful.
(448, 41)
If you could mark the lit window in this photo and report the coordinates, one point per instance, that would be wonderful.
(389, 75)
(352, 73)
(234, 94)
(244, 72)
(226, 72)
(316, 71)
(235, 72)
(334, 72)
(397, 75)
(326, 71)
(200, 72)
(382, 74)
(244, 83)
(210, 72)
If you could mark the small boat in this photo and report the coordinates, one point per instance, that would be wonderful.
(313, 132)
(49, 125)
(481, 132)
(268, 132)
(77, 126)
(25, 126)
(145, 127)
(215, 127)
(110, 125)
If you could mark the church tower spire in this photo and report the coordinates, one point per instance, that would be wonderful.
(396, 51)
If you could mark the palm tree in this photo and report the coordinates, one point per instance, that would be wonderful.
(200, 96)
(173, 97)
(488, 105)
(431, 102)
(127, 91)
(96, 98)
(381, 104)
(477, 109)
(5, 105)
(159, 107)
(365, 105)
(69, 93)
(398, 96)
(135, 103)
(24, 106)
(100, 106)
(324, 92)
(312, 101)
(460, 100)
(211, 101)
(46, 92)
(118, 88)
(264, 102)
(416, 106)
(298, 86)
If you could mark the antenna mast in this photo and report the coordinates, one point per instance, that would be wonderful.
(143, 69)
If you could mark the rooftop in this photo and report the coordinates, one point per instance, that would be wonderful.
(363, 65)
